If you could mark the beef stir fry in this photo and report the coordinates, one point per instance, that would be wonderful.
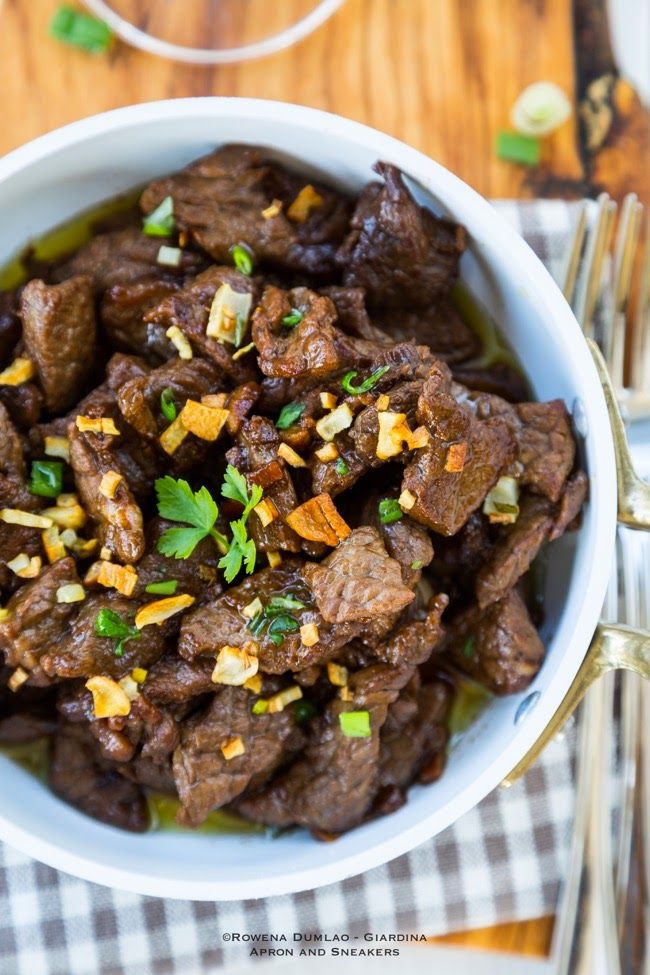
(259, 501)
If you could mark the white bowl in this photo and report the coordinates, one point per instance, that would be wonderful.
(67, 171)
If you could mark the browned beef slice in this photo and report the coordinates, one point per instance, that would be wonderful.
(9, 324)
(444, 499)
(173, 680)
(24, 727)
(545, 444)
(439, 326)
(148, 729)
(331, 787)
(59, 335)
(415, 731)
(359, 580)
(189, 310)
(414, 641)
(204, 778)
(405, 541)
(221, 623)
(404, 360)
(401, 253)
(240, 403)
(499, 379)
(82, 653)
(121, 257)
(219, 200)
(196, 575)
(515, 549)
(153, 776)
(26, 714)
(122, 312)
(24, 404)
(353, 319)
(314, 346)
(149, 726)
(572, 500)
(14, 540)
(403, 398)
(37, 623)
(497, 646)
(256, 455)
(139, 398)
(12, 462)
(119, 518)
(80, 776)
(140, 405)
(459, 557)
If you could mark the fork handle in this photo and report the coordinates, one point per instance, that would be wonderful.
(633, 491)
(586, 941)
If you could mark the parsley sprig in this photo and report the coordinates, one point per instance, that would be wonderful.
(109, 623)
(198, 511)
(235, 487)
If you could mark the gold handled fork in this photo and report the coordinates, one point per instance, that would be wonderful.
(587, 935)
(586, 941)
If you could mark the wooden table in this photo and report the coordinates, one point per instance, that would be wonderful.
(439, 74)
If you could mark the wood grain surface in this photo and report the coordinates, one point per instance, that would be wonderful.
(440, 74)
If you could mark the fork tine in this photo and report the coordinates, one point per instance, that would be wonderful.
(597, 247)
(640, 366)
(614, 339)
(573, 254)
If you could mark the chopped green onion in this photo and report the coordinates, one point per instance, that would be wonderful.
(277, 603)
(241, 323)
(289, 415)
(165, 588)
(258, 624)
(341, 467)
(355, 724)
(468, 647)
(160, 222)
(168, 405)
(417, 564)
(389, 511)
(80, 30)
(541, 108)
(283, 624)
(303, 711)
(169, 256)
(46, 478)
(366, 385)
(294, 318)
(242, 259)
(514, 147)
(260, 707)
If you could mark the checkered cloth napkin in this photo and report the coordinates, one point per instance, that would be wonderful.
(502, 861)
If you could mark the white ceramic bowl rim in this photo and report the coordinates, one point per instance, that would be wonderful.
(530, 274)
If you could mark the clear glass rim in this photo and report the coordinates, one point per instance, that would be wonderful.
(132, 35)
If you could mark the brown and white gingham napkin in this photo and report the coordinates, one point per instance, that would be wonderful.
(502, 861)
